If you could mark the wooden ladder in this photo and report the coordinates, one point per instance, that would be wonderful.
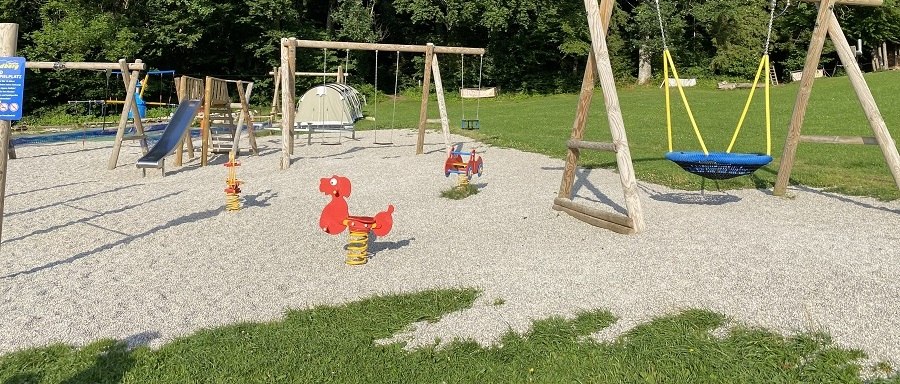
(773, 75)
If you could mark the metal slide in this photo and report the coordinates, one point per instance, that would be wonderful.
(174, 131)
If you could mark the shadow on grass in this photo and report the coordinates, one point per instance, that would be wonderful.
(342, 344)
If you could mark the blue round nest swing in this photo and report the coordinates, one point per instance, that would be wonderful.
(719, 165)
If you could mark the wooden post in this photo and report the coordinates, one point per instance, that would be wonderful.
(426, 90)
(806, 82)
(138, 124)
(442, 104)
(614, 112)
(204, 124)
(584, 103)
(275, 95)
(244, 119)
(864, 94)
(292, 75)
(287, 102)
(123, 117)
(340, 75)
(9, 36)
(179, 151)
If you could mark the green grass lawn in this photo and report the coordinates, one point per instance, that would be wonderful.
(543, 124)
(338, 344)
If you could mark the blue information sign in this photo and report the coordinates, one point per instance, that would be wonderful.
(12, 87)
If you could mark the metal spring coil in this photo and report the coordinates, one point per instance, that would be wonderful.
(463, 180)
(358, 248)
(232, 202)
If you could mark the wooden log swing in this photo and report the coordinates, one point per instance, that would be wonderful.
(827, 24)
(598, 65)
(288, 82)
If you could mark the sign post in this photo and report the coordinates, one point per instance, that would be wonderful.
(12, 80)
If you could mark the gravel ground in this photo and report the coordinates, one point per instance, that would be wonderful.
(89, 253)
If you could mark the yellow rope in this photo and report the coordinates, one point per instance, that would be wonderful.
(668, 99)
(687, 106)
(768, 111)
(763, 63)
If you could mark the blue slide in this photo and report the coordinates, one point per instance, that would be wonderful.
(174, 131)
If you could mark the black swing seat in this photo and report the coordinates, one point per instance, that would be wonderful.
(719, 165)
(470, 124)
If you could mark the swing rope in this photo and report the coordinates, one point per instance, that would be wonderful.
(721, 165)
(462, 86)
(394, 106)
(478, 100)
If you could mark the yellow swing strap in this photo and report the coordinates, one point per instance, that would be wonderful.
(668, 62)
(763, 65)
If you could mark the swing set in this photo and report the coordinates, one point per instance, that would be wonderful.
(288, 80)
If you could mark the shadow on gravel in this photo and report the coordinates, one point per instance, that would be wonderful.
(845, 199)
(695, 198)
(96, 214)
(63, 153)
(53, 187)
(79, 198)
(141, 339)
(193, 217)
(377, 246)
(581, 181)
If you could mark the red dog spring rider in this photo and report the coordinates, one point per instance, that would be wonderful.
(336, 216)
(465, 169)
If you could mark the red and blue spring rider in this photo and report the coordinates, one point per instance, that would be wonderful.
(464, 168)
(233, 192)
(336, 216)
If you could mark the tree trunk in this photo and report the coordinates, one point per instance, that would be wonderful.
(645, 71)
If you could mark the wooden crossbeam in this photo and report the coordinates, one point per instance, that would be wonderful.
(863, 140)
(383, 47)
(58, 65)
(593, 145)
(870, 3)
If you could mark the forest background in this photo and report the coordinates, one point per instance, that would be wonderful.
(533, 46)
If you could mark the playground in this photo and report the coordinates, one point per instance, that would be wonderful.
(572, 244)
(112, 254)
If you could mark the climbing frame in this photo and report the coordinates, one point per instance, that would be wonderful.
(598, 65)
(219, 132)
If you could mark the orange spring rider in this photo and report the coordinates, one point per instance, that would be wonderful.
(232, 193)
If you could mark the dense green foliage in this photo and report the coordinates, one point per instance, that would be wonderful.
(331, 344)
(533, 45)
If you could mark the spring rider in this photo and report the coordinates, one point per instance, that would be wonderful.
(336, 217)
(465, 169)
(233, 190)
